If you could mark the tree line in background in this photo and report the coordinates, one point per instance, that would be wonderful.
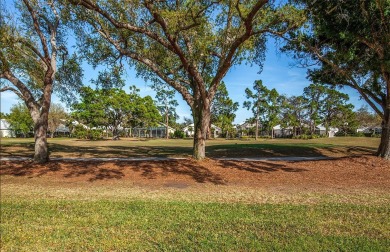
(319, 105)
(116, 113)
(190, 46)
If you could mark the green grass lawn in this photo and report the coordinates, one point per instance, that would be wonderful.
(65, 147)
(109, 225)
(41, 214)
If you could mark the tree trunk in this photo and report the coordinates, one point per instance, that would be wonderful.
(257, 129)
(384, 147)
(167, 127)
(41, 154)
(201, 114)
(312, 127)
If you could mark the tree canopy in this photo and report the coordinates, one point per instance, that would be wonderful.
(223, 110)
(265, 105)
(167, 105)
(349, 41)
(35, 62)
(20, 119)
(57, 115)
(114, 109)
(189, 45)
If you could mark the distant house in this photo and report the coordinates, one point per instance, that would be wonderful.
(362, 129)
(246, 128)
(280, 131)
(5, 130)
(189, 130)
(377, 130)
(62, 130)
(153, 132)
(321, 130)
(75, 123)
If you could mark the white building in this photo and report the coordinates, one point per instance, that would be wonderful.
(5, 130)
(62, 130)
(189, 130)
(154, 132)
(370, 130)
(321, 130)
(279, 131)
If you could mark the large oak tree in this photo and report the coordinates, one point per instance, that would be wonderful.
(34, 61)
(189, 45)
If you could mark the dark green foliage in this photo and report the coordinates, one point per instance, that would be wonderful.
(80, 132)
(265, 105)
(114, 109)
(35, 61)
(167, 104)
(20, 120)
(3, 115)
(223, 110)
(293, 113)
(349, 42)
(90, 110)
(189, 46)
(178, 134)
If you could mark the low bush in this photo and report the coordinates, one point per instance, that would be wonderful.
(178, 134)
(82, 133)
(95, 134)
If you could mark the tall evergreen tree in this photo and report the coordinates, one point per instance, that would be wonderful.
(166, 97)
(223, 110)
(257, 102)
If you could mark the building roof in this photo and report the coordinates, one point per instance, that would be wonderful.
(62, 128)
(192, 125)
(322, 127)
(279, 127)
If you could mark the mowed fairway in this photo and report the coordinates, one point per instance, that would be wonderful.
(65, 147)
(341, 204)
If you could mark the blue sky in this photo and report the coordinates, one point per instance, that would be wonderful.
(279, 72)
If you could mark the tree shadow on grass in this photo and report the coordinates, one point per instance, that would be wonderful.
(198, 172)
(28, 168)
(17, 149)
(259, 166)
(99, 170)
(262, 150)
(95, 170)
(214, 151)
(285, 150)
(59, 150)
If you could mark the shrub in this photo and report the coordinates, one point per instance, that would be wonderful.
(80, 132)
(359, 134)
(95, 134)
(178, 134)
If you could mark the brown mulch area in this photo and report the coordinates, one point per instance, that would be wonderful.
(347, 172)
